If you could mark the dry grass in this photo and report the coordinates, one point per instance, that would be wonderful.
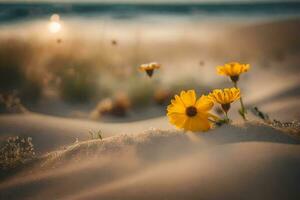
(15, 151)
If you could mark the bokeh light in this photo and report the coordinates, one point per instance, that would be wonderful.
(55, 25)
(55, 17)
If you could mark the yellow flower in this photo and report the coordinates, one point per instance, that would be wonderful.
(190, 114)
(149, 68)
(225, 97)
(233, 70)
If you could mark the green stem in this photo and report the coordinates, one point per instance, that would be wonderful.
(243, 110)
(226, 117)
(212, 121)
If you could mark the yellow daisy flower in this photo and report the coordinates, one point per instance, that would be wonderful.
(149, 68)
(233, 70)
(190, 114)
(225, 97)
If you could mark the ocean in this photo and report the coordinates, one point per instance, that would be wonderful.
(14, 12)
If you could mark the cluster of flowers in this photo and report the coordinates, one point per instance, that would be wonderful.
(191, 114)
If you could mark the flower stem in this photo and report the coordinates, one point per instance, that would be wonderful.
(227, 120)
(243, 110)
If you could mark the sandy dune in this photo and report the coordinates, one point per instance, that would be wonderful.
(167, 165)
(50, 132)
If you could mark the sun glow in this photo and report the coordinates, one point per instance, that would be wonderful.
(55, 25)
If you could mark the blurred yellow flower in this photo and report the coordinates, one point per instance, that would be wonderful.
(190, 114)
(225, 97)
(233, 70)
(149, 68)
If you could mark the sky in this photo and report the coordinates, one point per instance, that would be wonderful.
(149, 1)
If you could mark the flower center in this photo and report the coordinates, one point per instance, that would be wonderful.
(234, 78)
(191, 111)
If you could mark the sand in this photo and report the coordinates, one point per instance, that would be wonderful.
(50, 132)
(248, 161)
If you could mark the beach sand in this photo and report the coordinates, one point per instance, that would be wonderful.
(244, 161)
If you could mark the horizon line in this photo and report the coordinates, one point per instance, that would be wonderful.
(154, 2)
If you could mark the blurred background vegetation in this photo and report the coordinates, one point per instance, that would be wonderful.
(79, 72)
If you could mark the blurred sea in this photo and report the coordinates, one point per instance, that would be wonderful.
(14, 12)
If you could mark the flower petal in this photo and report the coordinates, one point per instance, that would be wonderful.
(188, 98)
(232, 69)
(176, 107)
(221, 71)
(197, 123)
(204, 103)
(225, 96)
(177, 119)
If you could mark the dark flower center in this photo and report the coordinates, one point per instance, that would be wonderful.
(191, 111)
(234, 78)
(149, 72)
(226, 107)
